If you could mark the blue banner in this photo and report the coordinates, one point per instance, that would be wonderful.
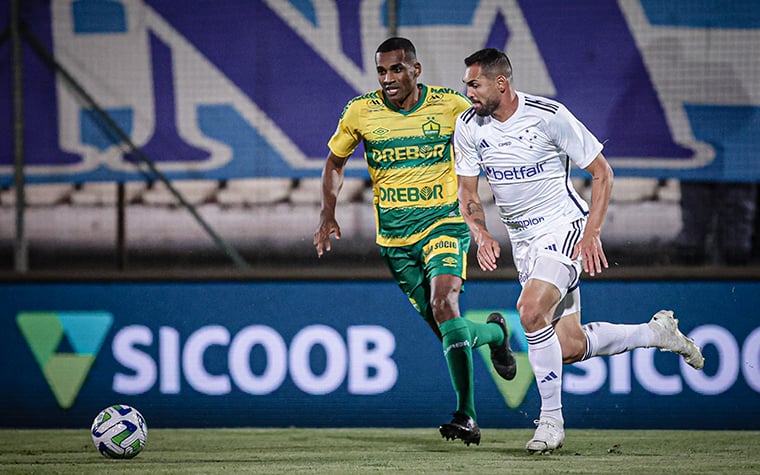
(256, 88)
(352, 353)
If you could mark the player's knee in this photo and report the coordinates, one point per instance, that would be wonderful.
(532, 315)
(444, 306)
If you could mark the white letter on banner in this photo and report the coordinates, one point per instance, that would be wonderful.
(596, 373)
(168, 356)
(124, 352)
(300, 361)
(751, 360)
(647, 375)
(378, 356)
(240, 360)
(192, 360)
(620, 373)
(728, 361)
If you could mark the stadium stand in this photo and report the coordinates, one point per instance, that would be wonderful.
(254, 191)
(194, 191)
(104, 194)
(633, 190)
(272, 217)
(308, 191)
(39, 194)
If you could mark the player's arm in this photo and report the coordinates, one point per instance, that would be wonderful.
(332, 181)
(590, 246)
(475, 217)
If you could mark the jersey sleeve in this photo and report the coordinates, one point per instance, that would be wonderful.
(466, 159)
(346, 137)
(574, 138)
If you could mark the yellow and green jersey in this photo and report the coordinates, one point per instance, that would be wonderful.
(409, 158)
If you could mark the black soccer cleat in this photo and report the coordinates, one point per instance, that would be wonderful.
(503, 359)
(462, 427)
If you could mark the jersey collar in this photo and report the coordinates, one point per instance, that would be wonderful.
(423, 95)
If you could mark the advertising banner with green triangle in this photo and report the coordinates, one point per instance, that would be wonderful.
(198, 354)
(513, 391)
(65, 345)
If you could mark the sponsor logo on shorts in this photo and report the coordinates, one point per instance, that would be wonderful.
(442, 245)
(522, 224)
(450, 262)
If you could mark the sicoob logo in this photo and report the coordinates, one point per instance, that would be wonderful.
(514, 391)
(52, 336)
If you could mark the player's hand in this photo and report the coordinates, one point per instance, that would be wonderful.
(589, 248)
(488, 252)
(327, 226)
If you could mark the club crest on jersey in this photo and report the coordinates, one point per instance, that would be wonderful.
(431, 128)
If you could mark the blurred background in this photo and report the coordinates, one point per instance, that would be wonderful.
(161, 135)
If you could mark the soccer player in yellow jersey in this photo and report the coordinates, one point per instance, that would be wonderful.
(406, 128)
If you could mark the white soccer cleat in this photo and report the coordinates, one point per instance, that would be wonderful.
(550, 435)
(669, 338)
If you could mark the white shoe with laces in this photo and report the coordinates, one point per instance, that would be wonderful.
(669, 338)
(550, 435)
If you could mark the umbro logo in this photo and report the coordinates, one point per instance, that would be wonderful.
(549, 377)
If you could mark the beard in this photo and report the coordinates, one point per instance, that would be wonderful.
(487, 107)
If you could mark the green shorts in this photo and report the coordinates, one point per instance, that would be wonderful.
(443, 251)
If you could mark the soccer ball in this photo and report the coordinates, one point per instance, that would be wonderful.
(119, 432)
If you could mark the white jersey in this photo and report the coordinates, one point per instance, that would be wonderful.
(525, 160)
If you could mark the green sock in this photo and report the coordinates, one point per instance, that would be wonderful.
(484, 333)
(458, 352)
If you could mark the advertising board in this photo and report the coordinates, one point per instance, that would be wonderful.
(350, 354)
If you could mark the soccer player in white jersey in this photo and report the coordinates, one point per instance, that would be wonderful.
(524, 145)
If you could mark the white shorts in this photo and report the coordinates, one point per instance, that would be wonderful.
(548, 257)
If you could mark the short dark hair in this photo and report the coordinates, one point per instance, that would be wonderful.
(492, 62)
(395, 43)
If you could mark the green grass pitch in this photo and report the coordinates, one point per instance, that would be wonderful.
(371, 451)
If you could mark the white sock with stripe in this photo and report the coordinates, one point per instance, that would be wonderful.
(545, 356)
(607, 339)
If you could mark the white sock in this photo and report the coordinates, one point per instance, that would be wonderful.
(607, 339)
(545, 356)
